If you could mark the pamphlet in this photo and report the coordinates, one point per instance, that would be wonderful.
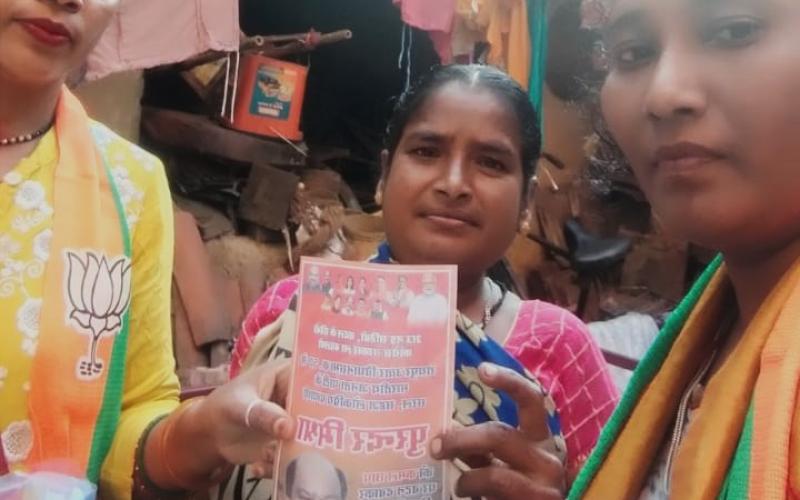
(372, 382)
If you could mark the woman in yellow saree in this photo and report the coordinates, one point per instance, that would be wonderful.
(86, 367)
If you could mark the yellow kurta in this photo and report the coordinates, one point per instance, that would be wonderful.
(26, 218)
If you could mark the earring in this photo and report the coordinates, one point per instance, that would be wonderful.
(379, 198)
(525, 223)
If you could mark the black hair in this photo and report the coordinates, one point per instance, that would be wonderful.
(291, 471)
(476, 76)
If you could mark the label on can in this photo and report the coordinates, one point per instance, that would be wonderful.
(274, 91)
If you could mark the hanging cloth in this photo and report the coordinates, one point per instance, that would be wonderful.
(538, 26)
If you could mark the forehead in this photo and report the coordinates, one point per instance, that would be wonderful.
(316, 479)
(459, 108)
(615, 8)
(679, 17)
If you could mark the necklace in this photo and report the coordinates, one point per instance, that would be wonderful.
(697, 383)
(490, 310)
(22, 139)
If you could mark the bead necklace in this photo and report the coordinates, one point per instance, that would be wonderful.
(22, 139)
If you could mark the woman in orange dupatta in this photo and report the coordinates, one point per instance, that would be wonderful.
(88, 392)
(700, 95)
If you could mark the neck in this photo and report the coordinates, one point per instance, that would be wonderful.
(754, 276)
(24, 108)
(470, 296)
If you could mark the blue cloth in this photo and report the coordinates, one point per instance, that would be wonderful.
(537, 24)
(475, 402)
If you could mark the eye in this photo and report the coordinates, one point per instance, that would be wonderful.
(492, 164)
(632, 55)
(425, 152)
(736, 32)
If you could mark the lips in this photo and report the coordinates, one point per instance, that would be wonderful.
(450, 219)
(47, 31)
(685, 155)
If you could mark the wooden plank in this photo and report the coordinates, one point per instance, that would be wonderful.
(199, 134)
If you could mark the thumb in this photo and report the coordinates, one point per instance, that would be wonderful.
(270, 419)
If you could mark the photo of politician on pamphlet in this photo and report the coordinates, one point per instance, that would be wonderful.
(372, 373)
(311, 476)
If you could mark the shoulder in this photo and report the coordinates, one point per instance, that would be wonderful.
(546, 327)
(137, 174)
(129, 163)
(120, 151)
(547, 318)
(552, 342)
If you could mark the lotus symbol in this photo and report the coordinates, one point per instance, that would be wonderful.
(98, 292)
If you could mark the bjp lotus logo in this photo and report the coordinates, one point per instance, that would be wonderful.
(98, 292)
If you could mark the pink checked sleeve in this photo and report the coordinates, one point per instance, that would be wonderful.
(266, 310)
(555, 346)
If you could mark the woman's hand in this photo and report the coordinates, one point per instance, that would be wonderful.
(238, 423)
(248, 416)
(508, 463)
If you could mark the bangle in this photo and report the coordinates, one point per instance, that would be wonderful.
(143, 487)
(186, 483)
(166, 444)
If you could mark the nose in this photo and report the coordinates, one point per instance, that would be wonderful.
(676, 89)
(454, 179)
(71, 5)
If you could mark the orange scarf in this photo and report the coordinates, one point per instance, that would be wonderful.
(743, 439)
(77, 373)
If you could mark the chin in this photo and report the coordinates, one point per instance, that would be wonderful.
(712, 218)
(33, 69)
(430, 252)
(718, 234)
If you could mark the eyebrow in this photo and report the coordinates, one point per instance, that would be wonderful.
(705, 3)
(485, 146)
(425, 136)
(495, 147)
(709, 4)
(625, 21)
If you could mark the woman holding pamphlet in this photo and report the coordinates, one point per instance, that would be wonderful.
(458, 166)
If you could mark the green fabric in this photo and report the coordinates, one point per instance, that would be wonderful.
(537, 24)
(644, 373)
(737, 483)
(108, 419)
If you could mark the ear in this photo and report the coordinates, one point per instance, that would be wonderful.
(525, 222)
(526, 214)
(533, 183)
(384, 174)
